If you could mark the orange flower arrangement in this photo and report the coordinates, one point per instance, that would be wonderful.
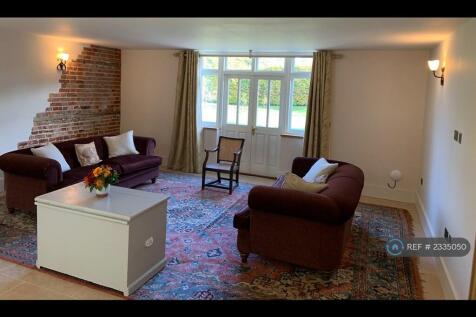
(101, 177)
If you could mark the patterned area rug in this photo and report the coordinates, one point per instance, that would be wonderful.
(203, 262)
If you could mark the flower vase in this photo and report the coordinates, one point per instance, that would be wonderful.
(103, 192)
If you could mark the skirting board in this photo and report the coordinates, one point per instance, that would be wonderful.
(445, 279)
(384, 192)
(165, 160)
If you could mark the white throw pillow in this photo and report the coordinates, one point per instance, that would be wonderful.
(122, 144)
(51, 151)
(320, 171)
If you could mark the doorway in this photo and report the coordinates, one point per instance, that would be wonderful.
(253, 107)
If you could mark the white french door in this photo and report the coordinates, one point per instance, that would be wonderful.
(253, 110)
(266, 129)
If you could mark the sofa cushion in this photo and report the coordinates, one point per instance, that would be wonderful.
(135, 162)
(292, 181)
(69, 152)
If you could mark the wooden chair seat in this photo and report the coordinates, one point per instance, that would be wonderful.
(225, 167)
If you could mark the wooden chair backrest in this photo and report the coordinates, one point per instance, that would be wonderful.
(227, 146)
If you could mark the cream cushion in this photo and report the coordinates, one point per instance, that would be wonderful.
(319, 171)
(292, 181)
(87, 154)
(122, 144)
(51, 151)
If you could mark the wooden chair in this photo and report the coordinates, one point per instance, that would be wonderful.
(228, 161)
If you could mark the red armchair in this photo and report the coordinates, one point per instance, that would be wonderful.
(307, 229)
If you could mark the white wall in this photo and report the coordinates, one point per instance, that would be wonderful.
(447, 197)
(27, 76)
(149, 79)
(378, 100)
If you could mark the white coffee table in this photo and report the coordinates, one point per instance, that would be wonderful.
(117, 241)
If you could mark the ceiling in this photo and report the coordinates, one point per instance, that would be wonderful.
(243, 34)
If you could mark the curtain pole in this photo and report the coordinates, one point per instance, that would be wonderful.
(263, 55)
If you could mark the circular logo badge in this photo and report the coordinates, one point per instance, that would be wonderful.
(394, 247)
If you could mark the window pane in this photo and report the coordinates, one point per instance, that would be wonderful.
(210, 62)
(271, 64)
(275, 103)
(232, 101)
(244, 102)
(209, 98)
(262, 106)
(302, 64)
(238, 63)
(299, 103)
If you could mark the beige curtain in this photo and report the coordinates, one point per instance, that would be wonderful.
(316, 135)
(184, 151)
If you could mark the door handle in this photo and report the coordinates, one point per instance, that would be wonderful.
(253, 130)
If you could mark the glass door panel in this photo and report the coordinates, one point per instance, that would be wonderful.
(238, 101)
(243, 101)
(232, 101)
(268, 103)
(262, 103)
(274, 103)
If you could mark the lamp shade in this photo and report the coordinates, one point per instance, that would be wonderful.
(433, 64)
(396, 175)
(63, 56)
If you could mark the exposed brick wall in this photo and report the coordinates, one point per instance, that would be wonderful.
(88, 102)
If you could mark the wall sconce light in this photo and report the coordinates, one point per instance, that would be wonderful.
(62, 58)
(433, 66)
(395, 175)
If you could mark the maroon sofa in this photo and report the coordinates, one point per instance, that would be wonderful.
(307, 229)
(27, 176)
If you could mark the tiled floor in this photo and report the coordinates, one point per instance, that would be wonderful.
(19, 282)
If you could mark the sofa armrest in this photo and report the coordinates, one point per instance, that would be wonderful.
(32, 166)
(144, 145)
(293, 203)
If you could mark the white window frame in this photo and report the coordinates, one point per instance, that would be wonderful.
(286, 76)
(238, 71)
(205, 72)
(256, 70)
(293, 75)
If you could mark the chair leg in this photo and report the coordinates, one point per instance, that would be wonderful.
(219, 177)
(237, 177)
(203, 178)
(154, 180)
(230, 188)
